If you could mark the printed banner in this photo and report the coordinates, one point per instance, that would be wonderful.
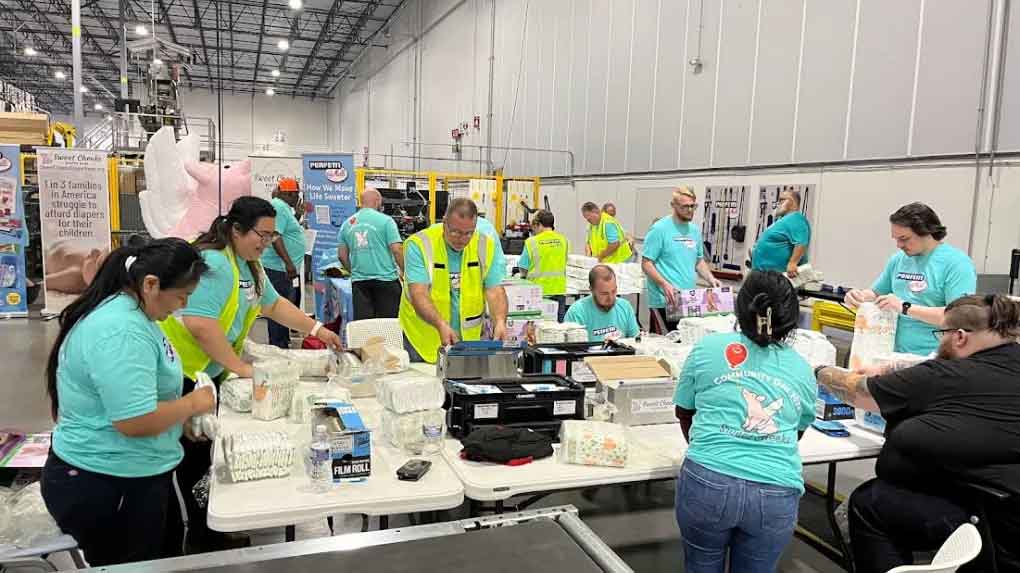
(13, 235)
(266, 171)
(328, 186)
(74, 212)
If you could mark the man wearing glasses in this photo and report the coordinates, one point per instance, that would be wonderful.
(950, 421)
(783, 246)
(673, 255)
(453, 272)
(283, 261)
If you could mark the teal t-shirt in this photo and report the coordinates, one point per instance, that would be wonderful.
(619, 322)
(775, 246)
(935, 279)
(415, 272)
(214, 289)
(675, 248)
(485, 226)
(115, 365)
(293, 238)
(751, 402)
(368, 235)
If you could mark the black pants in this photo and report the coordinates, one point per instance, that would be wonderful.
(658, 323)
(197, 461)
(279, 335)
(376, 299)
(561, 305)
(113, 519)
(888, 523)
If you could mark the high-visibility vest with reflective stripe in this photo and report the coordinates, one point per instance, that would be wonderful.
(475, 261)
(597, 241)
(193, 358)
(547, 252)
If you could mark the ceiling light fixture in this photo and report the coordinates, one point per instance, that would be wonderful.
(98, 107)
(84, 89)
(294, 4)
(158, 62)
(276, 73)
(283, 44)
(59, 75)
(270, 91)
(141, 30)
(108, 117)
(30, 51)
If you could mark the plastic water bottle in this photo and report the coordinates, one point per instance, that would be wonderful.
(321, 467)
(432, 432)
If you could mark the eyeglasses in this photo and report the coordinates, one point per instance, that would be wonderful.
(689, 207)
(460, 234)
(266, 237)
(939, 332)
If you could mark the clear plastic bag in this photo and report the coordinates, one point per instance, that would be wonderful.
(410, 393)
(236, 394)
(273, 389)
(29, 522)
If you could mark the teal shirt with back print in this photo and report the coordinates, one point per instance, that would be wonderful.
(293, 238)
(751, 402)
(368, 235)
(618, 322)
(773, 250)
(213, 290)
(116, 365)
(675, 248)
(935, 279)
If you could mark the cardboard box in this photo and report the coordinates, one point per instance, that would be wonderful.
(350, 440)
(23, 128)
(828, 407)
(522, 295)
(706, 301)
(612, 368)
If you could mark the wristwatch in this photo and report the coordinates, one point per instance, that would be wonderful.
(906, 307)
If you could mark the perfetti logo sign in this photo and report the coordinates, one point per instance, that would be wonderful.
(736, 354)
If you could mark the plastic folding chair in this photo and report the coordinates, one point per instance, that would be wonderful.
(359, 331)
(962, 547)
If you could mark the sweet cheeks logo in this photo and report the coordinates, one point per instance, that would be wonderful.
(736, 354)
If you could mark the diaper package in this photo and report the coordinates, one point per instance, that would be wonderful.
(273, 389)
(410, 393)
(406, 430)
(593, 443)
(874, 335)
(236, 394)
(258, 455)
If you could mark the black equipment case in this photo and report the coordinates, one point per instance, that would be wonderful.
(537, 402)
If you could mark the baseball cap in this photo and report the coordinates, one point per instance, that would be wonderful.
(287, 184)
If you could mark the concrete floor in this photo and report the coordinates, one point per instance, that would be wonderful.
(638, 523)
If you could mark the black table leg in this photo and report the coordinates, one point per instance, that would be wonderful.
(289, 533)
(329, 522)
(384, 522)
(499, 506)
(830, 507)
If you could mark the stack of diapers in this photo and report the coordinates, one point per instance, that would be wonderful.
(258, 455)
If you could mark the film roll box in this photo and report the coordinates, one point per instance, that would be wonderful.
(350, 441)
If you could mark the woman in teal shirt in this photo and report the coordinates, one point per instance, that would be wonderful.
(115, 386)
(744, 399)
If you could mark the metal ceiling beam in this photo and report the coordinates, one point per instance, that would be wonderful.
(326, 28)
(230, 18)
(295, 24)
(258, 55)
(205, 50)
(351, 40)
(170, 29)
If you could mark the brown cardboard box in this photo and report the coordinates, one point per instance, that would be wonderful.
(611, 368)
(23, 128)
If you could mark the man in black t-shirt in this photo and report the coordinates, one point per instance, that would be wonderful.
(949, 421)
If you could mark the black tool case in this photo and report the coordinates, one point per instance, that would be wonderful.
(567, 359)
(517, 404)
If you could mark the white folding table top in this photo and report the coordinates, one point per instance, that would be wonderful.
(659, 453)
(288, 501)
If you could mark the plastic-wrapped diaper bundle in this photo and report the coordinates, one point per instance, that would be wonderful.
(258, 455)
(405, 431)
(814, 347)
(306, 395)
(874, 335)
(404, 393)
(312, 363)
(236, 394)
(549, 332)
(695, 328)
(592, 443)
(581, 261)
(273, 388)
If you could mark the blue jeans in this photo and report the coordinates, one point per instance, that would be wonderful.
(719, 513)
(279, 335)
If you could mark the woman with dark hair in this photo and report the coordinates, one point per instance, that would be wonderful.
(212, 328)
(743, 401)
(920, 279)
(114, 383)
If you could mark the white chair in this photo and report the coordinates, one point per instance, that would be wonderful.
(962, 547)
(359, 331)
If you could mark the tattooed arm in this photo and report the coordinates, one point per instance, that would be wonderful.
(850, 387)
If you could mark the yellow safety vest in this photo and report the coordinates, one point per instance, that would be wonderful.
(474, 265)
(597, 241)
(547, 252)
(193, 358)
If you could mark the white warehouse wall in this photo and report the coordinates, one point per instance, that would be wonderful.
(249, 122)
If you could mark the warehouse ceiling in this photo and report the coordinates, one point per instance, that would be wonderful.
(233, 43)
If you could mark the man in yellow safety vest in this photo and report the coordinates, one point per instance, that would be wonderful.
(452, 272)
(606, 240)
(544, 260)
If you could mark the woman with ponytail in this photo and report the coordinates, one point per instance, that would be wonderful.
(210, 331)
(743, 400)
(115, 385)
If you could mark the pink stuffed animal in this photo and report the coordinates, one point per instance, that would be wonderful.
(202, 206)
